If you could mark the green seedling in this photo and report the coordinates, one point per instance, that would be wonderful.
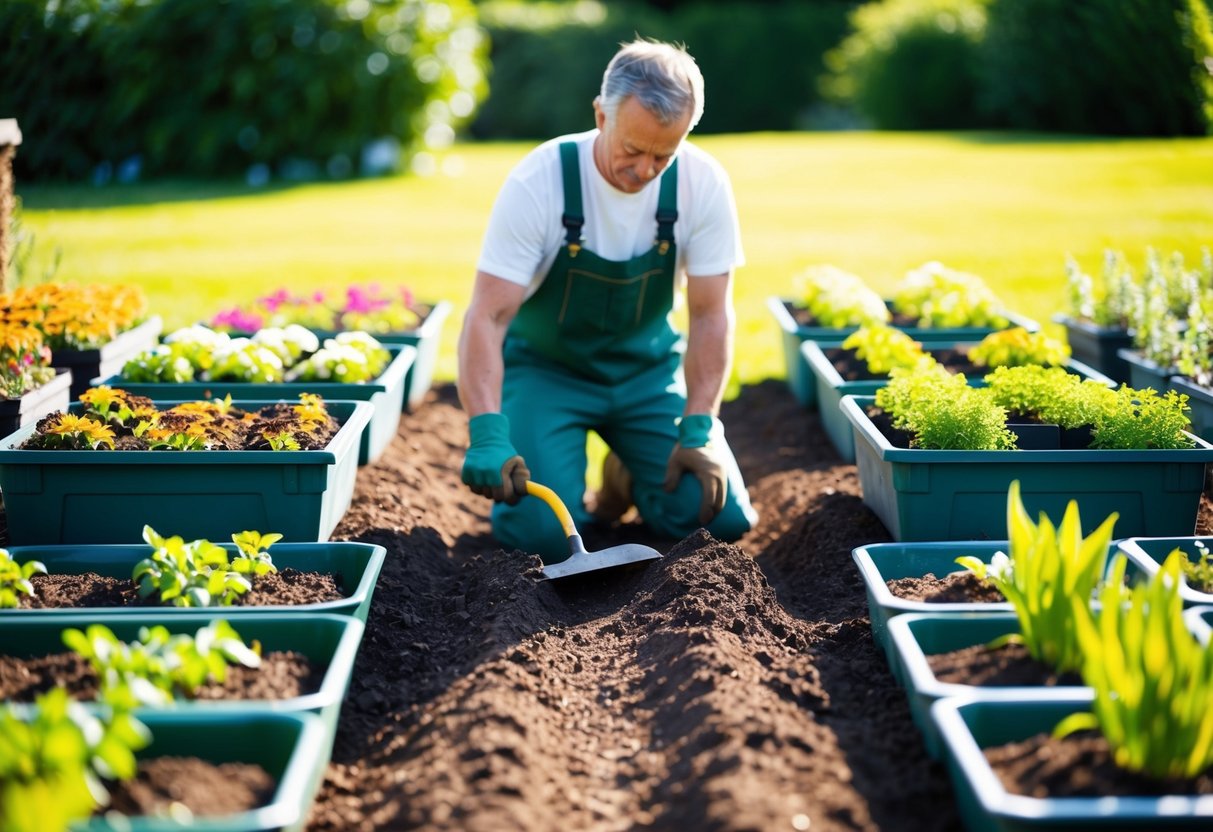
(52, 762)
(253, 557)
(1142, 419)
(1153, 680)
(1016, 347)
(160, 666)
(193, 574)
(15, 579)
(942, 412)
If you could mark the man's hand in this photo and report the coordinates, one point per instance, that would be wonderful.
(694, 453)
(492, 468)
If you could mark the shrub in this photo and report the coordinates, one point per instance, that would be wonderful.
(910, 64)
(1129, 67)
(300, 87)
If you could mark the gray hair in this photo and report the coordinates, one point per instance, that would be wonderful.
(663, 77)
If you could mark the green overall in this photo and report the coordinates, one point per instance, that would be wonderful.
(594, 349)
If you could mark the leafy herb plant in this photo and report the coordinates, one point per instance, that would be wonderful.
(938, 296)
(1143, 419)
(15, 579)
(1153, 680)
(943, 412)
(884, 348)
(1016, 347)
(837, 299)
(1199, 572)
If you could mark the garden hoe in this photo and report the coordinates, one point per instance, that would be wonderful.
(581, 561)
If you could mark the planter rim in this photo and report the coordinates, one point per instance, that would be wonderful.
(814, 352)
(923, 679)
(403, 356)
(1088, 326)
(340, 663)
(996, 800)
(866, 557)
(853, 407)
(356, 413)
(150, 327)
(1134, 356)
(376, 554)
(1135, 551)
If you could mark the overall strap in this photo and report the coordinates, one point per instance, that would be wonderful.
(667, 207)
(573, 218)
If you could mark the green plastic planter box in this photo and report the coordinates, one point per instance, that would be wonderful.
(1145, 373)
(355, 565)
(916, 636)
(792, 335)
(959, 495)
(290, 747)
(109, 358)
(1096, 346)
(108, 496)
(385, 393)
(426, 339)
(967, 725)
(1200, 622)
(831, 388)
(1200, 400)
(1146, 555)
(327, 641)
(879, 563)
(41, 401)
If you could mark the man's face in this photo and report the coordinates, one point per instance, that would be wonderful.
(635, 148)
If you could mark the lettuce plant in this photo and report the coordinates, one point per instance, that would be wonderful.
(943, 412)
(160, 666)
(884, 348)
(938, 296)
(1050, 580)
(837, 299)
(200, 573)
(1153, 680)
(53, 761)
(15, 579)
(1016, 347)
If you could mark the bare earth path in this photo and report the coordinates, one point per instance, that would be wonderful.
(727, 687)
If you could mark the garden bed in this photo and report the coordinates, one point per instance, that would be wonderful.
(726, 687)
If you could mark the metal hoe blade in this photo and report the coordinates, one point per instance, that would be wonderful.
(582, 561)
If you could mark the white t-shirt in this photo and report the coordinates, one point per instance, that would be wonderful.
(525, 232)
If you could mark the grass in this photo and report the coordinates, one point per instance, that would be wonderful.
(1007, 207)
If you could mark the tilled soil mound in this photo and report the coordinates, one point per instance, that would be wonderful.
(730, 687)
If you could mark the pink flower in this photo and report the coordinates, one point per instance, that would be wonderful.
(237, 319)
(272, 301)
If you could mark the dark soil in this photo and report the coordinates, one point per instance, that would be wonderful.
(281, 675)
(203, 788)
(1006, 666)
(285, 587)
(954, 588)
(853, 369)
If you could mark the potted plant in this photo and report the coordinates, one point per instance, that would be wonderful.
(946, 481)
(197, 362)
(354, 568)
(1151, 681)
(941, 306)
(1049, 575)
(166, 661)
(392, 314)
(860, 365)
(30, 387)
(172, 471)
(1098, 322)
(91, 330)
(57, 752)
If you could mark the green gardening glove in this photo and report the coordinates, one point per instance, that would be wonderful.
(492, 468)
(695, 454)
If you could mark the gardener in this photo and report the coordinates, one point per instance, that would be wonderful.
(568, 330)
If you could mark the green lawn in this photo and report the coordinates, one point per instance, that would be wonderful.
(1006, 207)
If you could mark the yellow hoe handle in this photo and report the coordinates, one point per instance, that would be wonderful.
(555, 504)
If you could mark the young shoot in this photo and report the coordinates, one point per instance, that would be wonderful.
(15, 579)
(200, 573)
